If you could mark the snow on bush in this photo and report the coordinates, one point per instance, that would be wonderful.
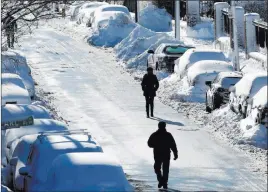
(156, 19)
(114, 31)
(133, 49)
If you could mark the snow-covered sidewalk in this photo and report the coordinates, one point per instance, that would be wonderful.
(89, 90)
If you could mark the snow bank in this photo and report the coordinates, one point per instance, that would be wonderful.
(253, 134)
(116, 29)
(133, 49)
(156, 19)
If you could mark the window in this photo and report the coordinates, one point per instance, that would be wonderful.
(175, 50)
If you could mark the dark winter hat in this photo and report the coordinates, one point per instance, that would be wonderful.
(149, 69)
(162, 125)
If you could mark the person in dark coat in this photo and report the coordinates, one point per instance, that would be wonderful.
(162, 142)
(149, 86)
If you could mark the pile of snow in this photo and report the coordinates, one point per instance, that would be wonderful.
(133, 49)
(260, 99)
(254, 134)
(87, 173)
(156, 19)
(110, 31)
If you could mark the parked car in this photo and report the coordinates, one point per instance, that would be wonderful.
(77, 169)
(203, 71)
(258, 107)
(245, 90)
(192, 56)
(13, 62)
(165, 55)
(218, 92)
(32, 165)
(103, 19)
(86, 9)
(74, 9)
(99, 15)
(14, 90)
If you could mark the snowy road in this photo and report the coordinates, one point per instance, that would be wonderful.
(91, 91)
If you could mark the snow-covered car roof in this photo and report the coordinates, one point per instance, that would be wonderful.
(208, 69)
(260, 99)
(11, 112)
(250, 84)
(12, 93)
(83, 178)
(107, 15)
(109, 7)
(92, 4)
(194, 55)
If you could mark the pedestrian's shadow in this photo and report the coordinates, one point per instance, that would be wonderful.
(169, 189)
(167, 121)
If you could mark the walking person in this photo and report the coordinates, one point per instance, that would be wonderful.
(149, 86)
(162, 142)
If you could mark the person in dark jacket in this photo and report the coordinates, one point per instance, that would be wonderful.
(149, 86)
(162, 142)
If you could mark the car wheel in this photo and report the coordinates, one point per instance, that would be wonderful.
(216, 102)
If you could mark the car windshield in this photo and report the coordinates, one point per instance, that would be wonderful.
(175, 50)
(229, 81)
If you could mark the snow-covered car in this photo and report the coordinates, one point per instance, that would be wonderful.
(86, 9)
(14, 90)
(245, 90)
(11, 112)
(102, 19)
(203, 71)
(165, 55)
(11, 135)
(74, 9)
(77, 169)
(218, 92)
(112, 28)
(192, 56)
(97, 15)
(258, 107)
(14, 62)
(32, 164)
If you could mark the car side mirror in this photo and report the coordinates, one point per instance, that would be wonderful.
(150, 51)
(232, 89)
(13, 161)
(24, 171)
(208, 83)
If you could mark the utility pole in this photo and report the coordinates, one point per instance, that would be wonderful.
(235, 48)
(136, 11)
(177, 19)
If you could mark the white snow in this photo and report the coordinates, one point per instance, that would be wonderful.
(154, 18)
(87, 172)
(12, 93)
(260, 99)
(111, 28)
(250, 84)
(11, 112)
(193, 55)
(103, 89)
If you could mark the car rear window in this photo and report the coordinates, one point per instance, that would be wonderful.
(229, 81)
(175, 50)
